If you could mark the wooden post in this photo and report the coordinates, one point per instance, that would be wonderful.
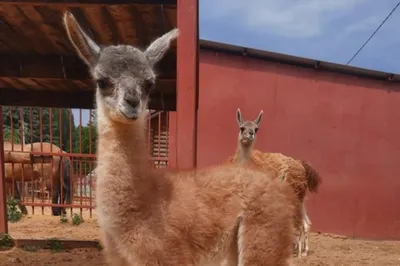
(187, 83)
(3, 203)
(172, 140)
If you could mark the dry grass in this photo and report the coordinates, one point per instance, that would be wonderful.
(43, 226)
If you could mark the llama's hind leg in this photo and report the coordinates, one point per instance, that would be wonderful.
(306, 224)
(299, 238)
(112, 256)
(306, 231)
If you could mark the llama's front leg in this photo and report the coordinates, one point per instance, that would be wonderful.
(112, 256)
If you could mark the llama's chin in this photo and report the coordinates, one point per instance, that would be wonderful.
(246, 142)
(120, 117)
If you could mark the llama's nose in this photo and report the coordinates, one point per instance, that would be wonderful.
(251, 135)
(132, 101)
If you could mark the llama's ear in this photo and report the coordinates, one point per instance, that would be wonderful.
(239, 117)
(259, 117)
(87, 49)
(157, 49)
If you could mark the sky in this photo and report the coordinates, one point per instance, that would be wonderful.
(326, 30)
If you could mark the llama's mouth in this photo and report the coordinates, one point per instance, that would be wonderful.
(131, 116)
(249, 138)
(246, 141)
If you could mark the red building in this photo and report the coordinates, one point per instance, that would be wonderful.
(343, 120)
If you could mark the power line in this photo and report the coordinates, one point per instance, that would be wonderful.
(373, 34)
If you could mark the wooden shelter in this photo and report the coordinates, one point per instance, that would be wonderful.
(38, 66)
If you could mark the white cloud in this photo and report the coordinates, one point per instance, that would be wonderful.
(366, 24)
(288, 18)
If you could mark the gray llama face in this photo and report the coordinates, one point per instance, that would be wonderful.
(248, 129)
(123, 74)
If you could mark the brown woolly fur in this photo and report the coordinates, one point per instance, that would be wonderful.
(282, 167)
(313, 177)
(299, 174)
(227, 215)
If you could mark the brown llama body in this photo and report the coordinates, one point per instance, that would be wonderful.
(299, 174)
(283, 167)
(192, 217)
(147, 216)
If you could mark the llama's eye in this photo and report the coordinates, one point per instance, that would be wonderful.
(102, 83)
(255, 130)
(242, 129)
(148, 85)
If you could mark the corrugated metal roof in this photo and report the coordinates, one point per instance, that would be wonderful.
(298, 61)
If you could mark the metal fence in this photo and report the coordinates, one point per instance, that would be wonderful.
(50, 156)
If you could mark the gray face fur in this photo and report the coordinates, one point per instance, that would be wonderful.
(248, 129)
(124, 75)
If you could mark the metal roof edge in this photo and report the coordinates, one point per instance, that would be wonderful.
(297, 61)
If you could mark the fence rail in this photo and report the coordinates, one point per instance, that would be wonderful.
(65, 140)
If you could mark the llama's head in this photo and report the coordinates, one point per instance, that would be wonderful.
(123, 74)
(248, 129)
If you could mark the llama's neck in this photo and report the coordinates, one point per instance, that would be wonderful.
(243, 153)
(125, 139)
(122, 151)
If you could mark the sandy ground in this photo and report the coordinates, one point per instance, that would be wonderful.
(325, 250)
(76, 257)
(328, 250)
(44, 226)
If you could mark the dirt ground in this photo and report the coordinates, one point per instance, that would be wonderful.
(329, 250)
(325, 250)
(76, 257)
(44, 226)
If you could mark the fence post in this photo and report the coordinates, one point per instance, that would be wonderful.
(3, 206)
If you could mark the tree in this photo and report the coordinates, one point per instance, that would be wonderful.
(85, 138)
(38, 125)
(12, 124)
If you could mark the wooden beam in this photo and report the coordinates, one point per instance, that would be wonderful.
(68, 67)
(172, 140)
(3, 200)
(162, 21)
(187, 83)
(166, 86)
(88, 2)
(141, 32)
(108, 21)
(75, 99)
(84, 22)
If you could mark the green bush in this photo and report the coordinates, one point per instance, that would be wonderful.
(6, 241)
(63, 218)
(77, 219)
(13, 213)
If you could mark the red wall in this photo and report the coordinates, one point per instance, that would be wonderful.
(348, 128)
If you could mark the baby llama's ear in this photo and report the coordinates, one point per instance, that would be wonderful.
(87, 49)
(259, 117)
(159, 47)
(239, 117)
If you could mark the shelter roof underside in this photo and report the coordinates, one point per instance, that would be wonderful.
(39, 67)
